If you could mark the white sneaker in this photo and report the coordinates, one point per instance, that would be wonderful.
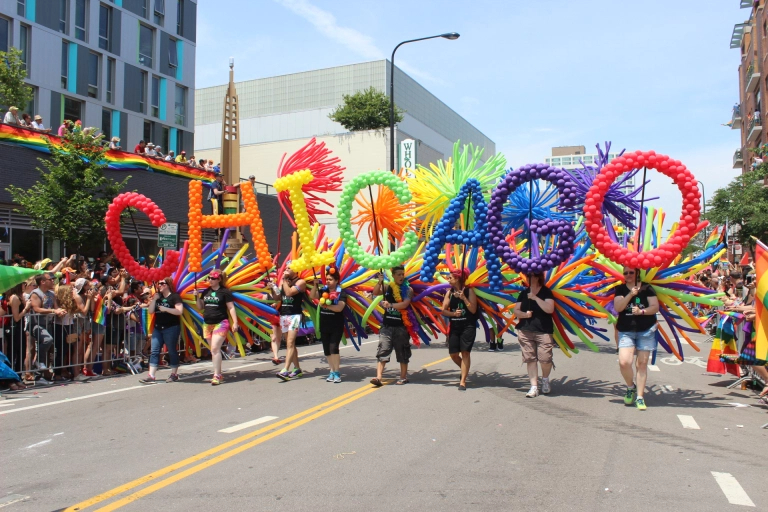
(545, 388)
(533, 393)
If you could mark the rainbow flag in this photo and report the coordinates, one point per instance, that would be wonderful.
(761, 301)
(147, 321)
(115, 160)
(724, 344)
(713, 239)
(100, 311)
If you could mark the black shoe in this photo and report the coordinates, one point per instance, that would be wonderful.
(492, 348)
(500, 345)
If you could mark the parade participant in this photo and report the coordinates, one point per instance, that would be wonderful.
(217, 303)
(460, 306)
(289, 293)
(393, 334)
(534, 309)
(167, 306)
(637, 307)
(332, 303)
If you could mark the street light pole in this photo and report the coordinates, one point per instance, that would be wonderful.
(448, 35)
(704, 201)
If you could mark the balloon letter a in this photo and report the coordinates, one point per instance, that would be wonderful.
(477, 237)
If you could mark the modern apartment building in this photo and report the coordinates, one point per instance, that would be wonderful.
(124, 66)
(751, 38)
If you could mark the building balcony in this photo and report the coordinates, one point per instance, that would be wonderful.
(754, 129)
(738, 159)
(736, 118)
(753, 78)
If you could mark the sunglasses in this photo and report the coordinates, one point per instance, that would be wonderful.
(629, 273)
(214, 277)
(161, 283)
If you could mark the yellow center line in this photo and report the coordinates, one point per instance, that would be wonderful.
(190, 460)
(226, 455)
(436, 362)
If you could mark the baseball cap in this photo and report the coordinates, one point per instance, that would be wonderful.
(79, 283)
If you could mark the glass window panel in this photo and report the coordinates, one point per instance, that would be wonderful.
(146, 44)
(64, 63)
(27, 242)
(180, 17)
(105, 28)
(110, 80)
(93, 75)
(155, 96)
(24, 45)
(173, 59)
(72, 109)
(63, 11)
(181, 105)
(81, 8)
(106, 123)
(21, 8)
(5, 33)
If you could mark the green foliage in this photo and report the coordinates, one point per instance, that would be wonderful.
(71, 198)
(13, 91)
(743, 203)
(365, 110)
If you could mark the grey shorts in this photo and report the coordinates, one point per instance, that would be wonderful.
(97, 328)
(397, 339)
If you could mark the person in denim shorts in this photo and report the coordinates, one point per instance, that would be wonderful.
(637, 305)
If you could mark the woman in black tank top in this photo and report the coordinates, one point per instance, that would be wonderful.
(460, 306)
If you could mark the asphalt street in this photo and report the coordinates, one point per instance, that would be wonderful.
(257, 443)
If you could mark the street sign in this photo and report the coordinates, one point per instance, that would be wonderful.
(168, 236)
(407, 156)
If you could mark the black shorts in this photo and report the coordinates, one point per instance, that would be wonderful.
(461, 340)
(331, 341)
(397, 339)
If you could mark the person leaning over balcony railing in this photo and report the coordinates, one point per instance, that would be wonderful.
(38, 125)
(25, 121)
(159, 152)
(12, 116)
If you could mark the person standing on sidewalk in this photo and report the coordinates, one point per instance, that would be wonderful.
(637, 306)
(393, 334)
(333, 300)
(168, 307)
(218, 307)
(460, 306)
(290, 294)
(534, 309)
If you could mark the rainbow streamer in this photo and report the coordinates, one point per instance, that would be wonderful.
(100, 311)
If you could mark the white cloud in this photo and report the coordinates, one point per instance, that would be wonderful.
(326, 23)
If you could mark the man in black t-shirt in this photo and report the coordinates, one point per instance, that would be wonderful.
(637, 307)
(534, 309)
(393, 334)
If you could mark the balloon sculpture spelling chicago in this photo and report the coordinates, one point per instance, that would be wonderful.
(461, 213)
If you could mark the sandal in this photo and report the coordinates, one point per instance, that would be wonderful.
(107, 373)
(400, 382)
(376, 382)
(16, 386)
(29, 378)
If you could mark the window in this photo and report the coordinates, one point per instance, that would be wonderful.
(143, 93)
(73, 109)
(106, 123)
(181, 104)
(5, 32)
(155, 97)
(147, 131)
(173, 57)
(63, 15)
(105, 27)
(81, 16)
(64, 63)
(146, 44)
(111, 80)
(164, 138)
(93, 75)
(32, 106)
(144, 9)
(21, 8)
(159, 11)
(24, 46)
(180, 17)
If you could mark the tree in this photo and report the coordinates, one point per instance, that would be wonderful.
(71, 198)
(743, 203)
(14, 92)
(365, 110)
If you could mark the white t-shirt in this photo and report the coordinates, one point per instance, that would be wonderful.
(38, 126)
(10, 118)
(150, 152)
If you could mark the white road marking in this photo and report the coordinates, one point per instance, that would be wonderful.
(653, 368)
(12, 401)
(185, 377)
(688, 422)
(11, 499)
(41, 443)
(247, 424)
(732, 489)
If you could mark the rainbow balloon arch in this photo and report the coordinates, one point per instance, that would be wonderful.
(462, 213)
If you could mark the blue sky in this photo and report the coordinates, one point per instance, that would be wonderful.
(529, 74)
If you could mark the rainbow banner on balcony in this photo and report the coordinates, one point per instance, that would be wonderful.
(116, 160)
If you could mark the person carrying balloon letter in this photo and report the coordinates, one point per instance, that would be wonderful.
(332, 301)
(460, 306)
(289, 293)
(218, 308)
(534, 309)
(393, 334)
(637, 306)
